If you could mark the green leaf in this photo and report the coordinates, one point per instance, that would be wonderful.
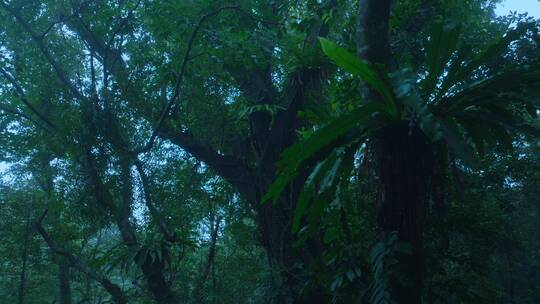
(159, 253)
(457, 144)
(310, 190)
(351, 275)
(356, 66)
(330, 235)
(514, 85)
(496, 49)
(323, 139)
(478, 133)
(141, 256)
(504, 138)
(338, 281)
(443, 42)
(322, 186)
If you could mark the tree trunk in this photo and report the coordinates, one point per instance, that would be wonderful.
(267, 142)
(152, 269)
(114, 290)
(157, 284)
(405, 163)
(198, 290)
(64, 283)
(24, 257)
(275, 222)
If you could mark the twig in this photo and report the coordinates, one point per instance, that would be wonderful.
(169, 236)
(113, 289)
(179, 79)
(60, 72)
(22, 96)
(23, 115)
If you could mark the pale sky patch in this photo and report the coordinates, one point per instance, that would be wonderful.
(532, 7)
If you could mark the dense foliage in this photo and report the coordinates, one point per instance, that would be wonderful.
(337, 151)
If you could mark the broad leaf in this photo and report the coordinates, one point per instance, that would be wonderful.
(325, 138)
(497, 49)
(356, 66)
(443, 42)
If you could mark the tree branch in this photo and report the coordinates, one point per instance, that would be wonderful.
(209, 260)
(60, 72)
(104, 198)
(22, 96)
(169, 236)
(23, 115)
(114, 290)
(230, 167)
(180, 77)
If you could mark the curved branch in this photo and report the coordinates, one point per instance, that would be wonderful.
(114, 290)
(59, 70)
(180, 77)
(22, 96)
(232, 169)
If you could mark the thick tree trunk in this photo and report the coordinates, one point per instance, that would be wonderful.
(275, 222)
(405, 161)
(157, 284)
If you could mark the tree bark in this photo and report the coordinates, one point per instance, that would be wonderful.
(405, 163)
(210, 259)
(372, 31)
(153, 269)
(24, 261)
(64, 282)
(404, 157)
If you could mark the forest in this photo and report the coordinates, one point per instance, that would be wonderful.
(269, 151)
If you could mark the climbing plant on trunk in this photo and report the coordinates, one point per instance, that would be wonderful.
(410, 125)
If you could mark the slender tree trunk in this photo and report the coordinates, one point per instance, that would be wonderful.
(216, 221)
(114, 290)
(24, 258)
(64, 282)
(214, 285)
